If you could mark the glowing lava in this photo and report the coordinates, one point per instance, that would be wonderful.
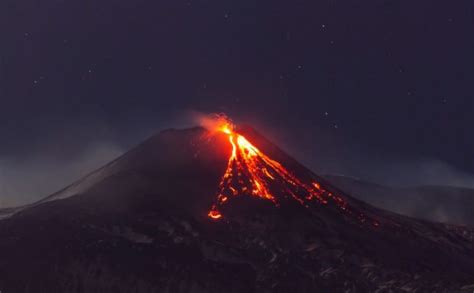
(251, 172)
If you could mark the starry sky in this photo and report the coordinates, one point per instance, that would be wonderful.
(381, 90)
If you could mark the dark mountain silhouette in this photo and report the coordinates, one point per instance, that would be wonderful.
(446, 204)
(141, 224)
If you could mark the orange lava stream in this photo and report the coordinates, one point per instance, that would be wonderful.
(251, 172)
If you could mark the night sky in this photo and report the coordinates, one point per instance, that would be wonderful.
(381, 90)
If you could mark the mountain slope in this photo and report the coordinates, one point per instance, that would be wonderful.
(435, 203)
(141, 224)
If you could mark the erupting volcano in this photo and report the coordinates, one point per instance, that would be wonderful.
(220, 208)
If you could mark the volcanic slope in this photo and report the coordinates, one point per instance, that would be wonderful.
(155, 220)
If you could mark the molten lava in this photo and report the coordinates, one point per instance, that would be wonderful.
(250, 172)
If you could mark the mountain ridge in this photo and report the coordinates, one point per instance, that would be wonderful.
(448, 204)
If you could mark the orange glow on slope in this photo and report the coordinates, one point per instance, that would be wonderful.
(251, 172)
(214, 215)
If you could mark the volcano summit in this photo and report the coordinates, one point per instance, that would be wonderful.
(222, 210)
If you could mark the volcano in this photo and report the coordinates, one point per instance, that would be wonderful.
(222, 210)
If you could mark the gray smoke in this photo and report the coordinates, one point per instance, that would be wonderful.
(26, 180)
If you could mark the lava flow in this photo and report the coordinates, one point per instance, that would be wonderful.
(250, 172)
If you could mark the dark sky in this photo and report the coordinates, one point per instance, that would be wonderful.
(382, 90)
